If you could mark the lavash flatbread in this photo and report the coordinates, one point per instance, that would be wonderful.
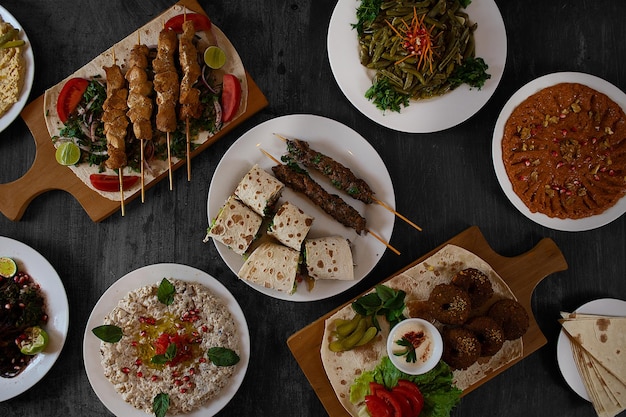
(343, 367)
(259, 190)
(271, 265)
(604, 338)
(149, 35)
(236, 226)
(329, 258)
(290, 225)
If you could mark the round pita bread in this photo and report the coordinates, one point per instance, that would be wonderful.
(342, 368)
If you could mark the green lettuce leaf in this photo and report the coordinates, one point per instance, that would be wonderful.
(440, 395)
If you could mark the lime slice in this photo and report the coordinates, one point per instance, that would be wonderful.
(36, 340)
(214, 57)
(8, 267)
(68, 153)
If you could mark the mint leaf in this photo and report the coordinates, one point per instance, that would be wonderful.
(166, 292)
(108, 333)
(222, 356)
(160, 404)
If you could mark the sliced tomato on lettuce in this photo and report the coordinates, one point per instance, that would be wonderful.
(231, 96)
(200, 22)
(104, 182)
(69, 97)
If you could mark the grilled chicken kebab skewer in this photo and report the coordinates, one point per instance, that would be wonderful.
(189, 95)
(299, 180)
(139, 101)
(340, 175)
(167, 88)
(115, 121)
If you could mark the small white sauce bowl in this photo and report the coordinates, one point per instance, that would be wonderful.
(427, 357)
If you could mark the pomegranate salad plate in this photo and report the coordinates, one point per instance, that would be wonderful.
(166, 339)
(50, 287)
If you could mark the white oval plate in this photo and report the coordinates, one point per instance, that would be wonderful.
(32, 262)
(7, 118)
(604, 306)
(337, 141)
(570, 225)
(422, 116)
(146, 276)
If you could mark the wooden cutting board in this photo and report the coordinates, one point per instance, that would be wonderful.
(46, 174)
(522, 273)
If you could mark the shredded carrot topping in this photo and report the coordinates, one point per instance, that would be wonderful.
(417, 40)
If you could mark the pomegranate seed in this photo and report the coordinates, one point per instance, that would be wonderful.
(186, 378)
(554, 153)
(134, 343)
(154, 378)
(183, 390)
(139, 374)
(202, 360)
(564, 132)
(138, 362)
(125, 370)
(192, 371)
(205, 328)
(611, 173)
(178, 382)
(560, 164)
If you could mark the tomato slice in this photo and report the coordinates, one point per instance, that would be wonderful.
(413, 393)
(231, 96)
(410, 405)
(69, 97)
(104, 182)
(375, 386)
(392, 401)
(377, 407)
(200, 22)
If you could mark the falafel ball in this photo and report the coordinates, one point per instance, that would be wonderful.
(451, 304)
(476, 283)
(461, 347)
(511, 316)
(489, 333)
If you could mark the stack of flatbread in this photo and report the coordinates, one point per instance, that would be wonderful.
(599, 350)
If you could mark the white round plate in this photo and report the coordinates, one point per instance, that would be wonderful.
(57, 307)
(604, 306)
(342, 144)
(141, 277)
(7, 118)
(570, 225)
(422, 116)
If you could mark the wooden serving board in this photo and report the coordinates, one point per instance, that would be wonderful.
(522, 273)
(46, 174)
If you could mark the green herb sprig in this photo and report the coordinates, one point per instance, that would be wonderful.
(166, 292)
(170, 353)
(221, 356)
(108, 333)
(160, 404)
(409, 352)
(384, 301)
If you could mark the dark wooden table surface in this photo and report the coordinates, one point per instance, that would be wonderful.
(445, 181)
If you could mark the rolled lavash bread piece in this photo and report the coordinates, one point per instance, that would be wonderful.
(290, 225)
(259, 190)
(236, 226)
(329, 258)
(272, 265)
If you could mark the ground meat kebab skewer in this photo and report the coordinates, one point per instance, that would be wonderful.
(330, 203)
(139, 101)
(167, 87)
(300, 181)
(340, 175)
(115, 121)
(189, 96)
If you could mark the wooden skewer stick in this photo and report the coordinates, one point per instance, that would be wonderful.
(120, 169)
(380, 239)
(188, 150)
(121, 191)
(169, 160)
(377, 201)
(143, 186)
